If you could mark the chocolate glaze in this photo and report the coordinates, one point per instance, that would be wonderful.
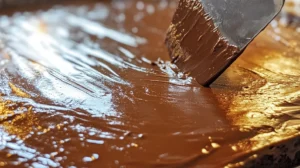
(91, 85)
(196, 45)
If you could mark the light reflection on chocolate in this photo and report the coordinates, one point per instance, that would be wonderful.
(90, 85)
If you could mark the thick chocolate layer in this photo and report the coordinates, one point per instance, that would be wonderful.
(196, 45)
(91, 85)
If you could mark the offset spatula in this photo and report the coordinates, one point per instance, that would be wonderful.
(207, 36)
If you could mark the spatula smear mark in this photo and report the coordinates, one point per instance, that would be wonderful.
(196, 45)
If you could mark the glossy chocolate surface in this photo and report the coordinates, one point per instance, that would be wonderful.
(91, 85)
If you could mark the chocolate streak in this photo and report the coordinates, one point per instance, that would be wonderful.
(196, 45)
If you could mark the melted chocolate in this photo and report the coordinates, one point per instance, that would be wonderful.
(91, 85)
(196, 45)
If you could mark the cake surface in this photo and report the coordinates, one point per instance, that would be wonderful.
(91, 85)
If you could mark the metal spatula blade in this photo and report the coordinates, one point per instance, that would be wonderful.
(207, 36)
(240, 21)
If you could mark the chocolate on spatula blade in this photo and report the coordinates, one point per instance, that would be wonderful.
(207, 36)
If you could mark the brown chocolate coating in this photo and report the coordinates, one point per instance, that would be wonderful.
(91, 85)
(196, 45)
